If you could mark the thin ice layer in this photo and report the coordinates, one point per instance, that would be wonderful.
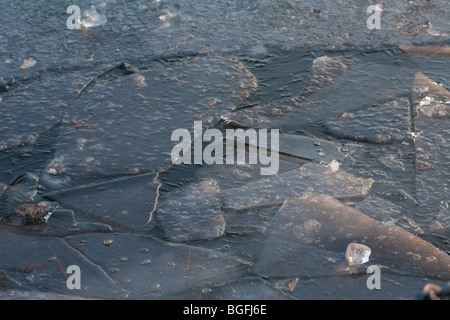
(310, 234)
(192, 213)
(43, 264)
(30, 110)
(311, 177)
(144, 264)
(431, 103)
(124, 122)
(106, 201)
(324, 69)
(386, 123)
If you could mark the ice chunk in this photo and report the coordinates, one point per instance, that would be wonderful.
(28, 63)
(192, 213)
(429, 99)
(311, 177)
(379, 124)
(310, 233)
(93, 18)
(357, 254)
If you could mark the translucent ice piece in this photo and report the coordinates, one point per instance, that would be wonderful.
(192, 213)
(357, 254)
(311, 177)
(28, 63)
(310, 233)
(94, 18)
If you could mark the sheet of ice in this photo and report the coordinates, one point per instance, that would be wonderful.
(379, 209)
(29, 213)
(192, 213)
(43, 264)
(431, 104)
(36, 106)
(310, 234)
(259, 116)
(120, 126)
(386, 123)
(311, 177)
(309, 148)
(323, 70)
(142, 264)
(125, 203)
(244, 289)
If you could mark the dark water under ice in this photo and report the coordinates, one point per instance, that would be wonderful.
(92, 123)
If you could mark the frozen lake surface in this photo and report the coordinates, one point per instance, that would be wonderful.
(87, 177)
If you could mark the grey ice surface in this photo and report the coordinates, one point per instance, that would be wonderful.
(192, 213)
(311, 177)
(90, 112)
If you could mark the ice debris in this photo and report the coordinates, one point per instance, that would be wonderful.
(357, 254)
